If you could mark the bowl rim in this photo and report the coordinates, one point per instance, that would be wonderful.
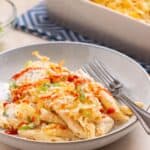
(13, 16)
(112, 133)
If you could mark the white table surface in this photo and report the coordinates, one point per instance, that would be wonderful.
(136, 140)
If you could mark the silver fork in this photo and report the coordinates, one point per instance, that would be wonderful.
(98, 71)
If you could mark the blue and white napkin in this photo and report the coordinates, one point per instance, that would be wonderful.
(36, 21)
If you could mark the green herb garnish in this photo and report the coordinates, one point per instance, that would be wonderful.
(44, 87)
(27, 127)
(56, 84)
(82, 96)
(13, 85)
(5, 113)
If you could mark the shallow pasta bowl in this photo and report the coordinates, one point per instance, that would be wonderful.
(75, 55)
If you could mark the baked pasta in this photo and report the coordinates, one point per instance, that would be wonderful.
(138, 9)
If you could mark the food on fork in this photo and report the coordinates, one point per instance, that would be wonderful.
(48, 102)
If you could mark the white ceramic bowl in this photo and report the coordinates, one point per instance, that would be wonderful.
(103, 24)
(75, 55)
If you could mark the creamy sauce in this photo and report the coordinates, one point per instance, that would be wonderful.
(4, 91)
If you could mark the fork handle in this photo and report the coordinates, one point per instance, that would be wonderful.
(142, 115)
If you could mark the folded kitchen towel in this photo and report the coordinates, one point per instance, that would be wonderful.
(36, 21)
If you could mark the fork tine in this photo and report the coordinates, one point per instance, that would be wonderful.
(99, 74)
(91, 71)
(86, 68)
(100, 71)
(97, 70)
(107, 74)
(102, 67)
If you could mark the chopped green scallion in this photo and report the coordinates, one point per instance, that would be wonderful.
(5, 113)
(27, 127)
(13, 85)
(82, 96)
(44, 87)
(56, 84)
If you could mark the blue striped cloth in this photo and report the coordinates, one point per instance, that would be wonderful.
(36, 21)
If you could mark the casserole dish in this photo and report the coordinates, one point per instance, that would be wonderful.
(104, 25)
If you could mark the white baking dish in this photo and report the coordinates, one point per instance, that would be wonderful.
(113, 29)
